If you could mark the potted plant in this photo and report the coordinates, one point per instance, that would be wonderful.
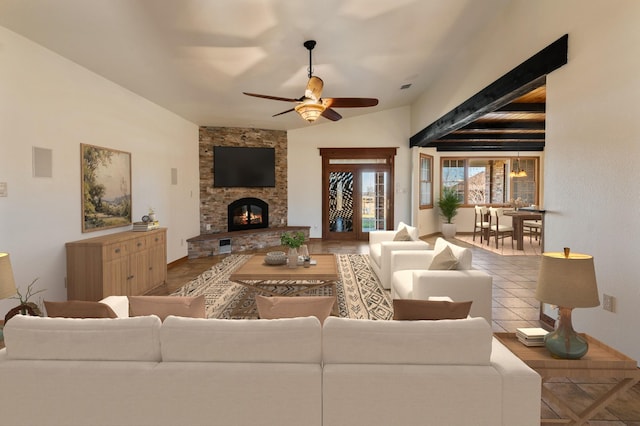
(449, 203)
(293, 241)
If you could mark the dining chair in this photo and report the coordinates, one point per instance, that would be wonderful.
(496, 228)
(533, 227)
(480, 222)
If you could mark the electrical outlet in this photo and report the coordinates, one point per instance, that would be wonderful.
(207, 227)
(608, 302)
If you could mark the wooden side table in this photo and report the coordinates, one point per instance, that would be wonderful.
(600, 362)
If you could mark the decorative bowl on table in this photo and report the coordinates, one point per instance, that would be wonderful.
(275, 258)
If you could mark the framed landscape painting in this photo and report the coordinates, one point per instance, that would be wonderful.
(106, 188)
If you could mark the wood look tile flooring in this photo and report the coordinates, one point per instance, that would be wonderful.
(514, 305)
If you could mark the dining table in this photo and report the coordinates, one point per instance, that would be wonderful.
(518, 217)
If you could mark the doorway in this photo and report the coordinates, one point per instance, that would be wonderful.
(357, 192)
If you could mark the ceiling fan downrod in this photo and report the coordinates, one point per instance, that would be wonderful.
(310, 44)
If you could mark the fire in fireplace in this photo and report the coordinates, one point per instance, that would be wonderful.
(247, 213)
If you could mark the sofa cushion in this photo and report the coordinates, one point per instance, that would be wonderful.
(412, 230)
(79, 309)
(287, 340)
(445, 260)
(464, 255)
(163, 306)
(407, 309)
(292, 307)
(402, 235)
(348, 341)
(89, 339)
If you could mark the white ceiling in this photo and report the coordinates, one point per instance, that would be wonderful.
(196, 57)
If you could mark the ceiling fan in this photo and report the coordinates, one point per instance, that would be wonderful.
(310, 106)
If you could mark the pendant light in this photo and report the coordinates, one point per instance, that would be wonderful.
(516, 171)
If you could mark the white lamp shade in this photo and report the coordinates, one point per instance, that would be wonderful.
(568, 281)
(7, 282)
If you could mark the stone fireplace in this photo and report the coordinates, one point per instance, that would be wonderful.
(247, 213)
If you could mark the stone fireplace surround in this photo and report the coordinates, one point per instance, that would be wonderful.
(214, 201)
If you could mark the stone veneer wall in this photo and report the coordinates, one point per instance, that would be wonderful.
(214, 201)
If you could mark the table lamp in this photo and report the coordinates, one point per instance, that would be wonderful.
(567, 280)
(7, 282)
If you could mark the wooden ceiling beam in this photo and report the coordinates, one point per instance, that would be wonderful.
(491, 136)
(487, 146)
(504, 125)
(520, 80)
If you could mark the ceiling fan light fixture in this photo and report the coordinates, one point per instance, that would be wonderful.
(310, 111)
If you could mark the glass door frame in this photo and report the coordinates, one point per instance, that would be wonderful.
(382, 161)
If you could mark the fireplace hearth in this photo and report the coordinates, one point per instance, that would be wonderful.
(247, 213)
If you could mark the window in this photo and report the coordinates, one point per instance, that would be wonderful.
(487, 181)
(426, 181)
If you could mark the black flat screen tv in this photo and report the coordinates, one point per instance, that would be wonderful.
(247, 167)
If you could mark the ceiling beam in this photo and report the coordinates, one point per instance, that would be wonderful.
(502, 125)
(520, 80)
(491, 136)
(488, 146)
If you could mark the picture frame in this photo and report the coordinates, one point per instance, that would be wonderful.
(106, 188)
(548, 315)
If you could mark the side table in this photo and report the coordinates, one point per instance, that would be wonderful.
(600, 362)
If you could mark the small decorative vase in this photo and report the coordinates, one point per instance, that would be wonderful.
(293, 257)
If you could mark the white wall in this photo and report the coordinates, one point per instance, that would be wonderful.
(592, 143)
(49, 102)
(381, 129)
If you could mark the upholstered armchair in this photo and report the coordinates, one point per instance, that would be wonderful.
(383, 243)
(454, 277)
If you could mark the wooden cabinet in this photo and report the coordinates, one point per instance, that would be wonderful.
(127, 263)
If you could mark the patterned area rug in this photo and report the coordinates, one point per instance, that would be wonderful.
(359, 292)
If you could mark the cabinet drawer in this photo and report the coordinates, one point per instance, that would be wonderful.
(117, 250)
(155, 239)
(139, 244)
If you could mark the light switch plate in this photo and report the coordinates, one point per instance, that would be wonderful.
(3, 189)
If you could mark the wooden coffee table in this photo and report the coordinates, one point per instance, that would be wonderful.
(278, 280)
(601, 361)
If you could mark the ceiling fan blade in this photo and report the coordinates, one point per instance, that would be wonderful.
(331, 115)
(274, 98)
(350, 102)
(283, 112)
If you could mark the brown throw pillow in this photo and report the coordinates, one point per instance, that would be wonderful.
(445, 260)
(163, 306)
(79, 309)
(402, 235)
(296, 306)
(412, 310)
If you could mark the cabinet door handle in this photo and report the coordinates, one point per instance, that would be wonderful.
(139, 244)
(130, 277)
(117, 250)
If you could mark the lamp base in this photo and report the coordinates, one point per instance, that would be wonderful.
(564, 342)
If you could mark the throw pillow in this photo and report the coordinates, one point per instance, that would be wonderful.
(163, 306)
(296, 306)
(402, 235)
(445, 260)
(79, 309)
(412, 230)
(411, 310)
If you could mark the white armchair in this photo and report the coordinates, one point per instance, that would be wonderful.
(382, 244)
(411, 278)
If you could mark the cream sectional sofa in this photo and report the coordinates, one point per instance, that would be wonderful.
(187, 371)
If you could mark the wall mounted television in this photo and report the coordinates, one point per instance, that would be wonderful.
(248, 167)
